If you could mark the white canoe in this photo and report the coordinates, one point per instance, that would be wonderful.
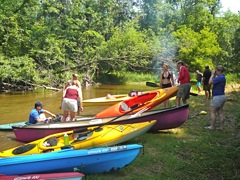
(101, 101)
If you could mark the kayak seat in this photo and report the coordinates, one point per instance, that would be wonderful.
(53, 141)
(23, 149)
(124, 106)
(82, 136)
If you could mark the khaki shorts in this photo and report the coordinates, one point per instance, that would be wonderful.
(184, 91)
(69, 105)
(218, 101)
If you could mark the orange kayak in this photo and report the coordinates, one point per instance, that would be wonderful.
(147, 100)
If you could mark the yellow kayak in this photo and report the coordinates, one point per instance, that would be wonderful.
(107, 135)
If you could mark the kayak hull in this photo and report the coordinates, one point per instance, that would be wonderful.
(87, 161)
(48, 176)
(147, 100)
(166, 119)
(107, 135)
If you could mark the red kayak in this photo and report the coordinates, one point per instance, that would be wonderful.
(147, 100)
(61, 176)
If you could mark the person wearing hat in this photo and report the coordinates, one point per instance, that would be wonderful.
(70, 83)
(37, 114)
(218, 80)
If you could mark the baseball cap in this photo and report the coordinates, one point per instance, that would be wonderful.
(75, 75)
(38, 104)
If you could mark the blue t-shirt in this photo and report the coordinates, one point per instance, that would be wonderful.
(34, 115)
(219, 83)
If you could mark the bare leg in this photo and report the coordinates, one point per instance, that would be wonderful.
(213, 117)
(184, 101)
(72, 116)
(166, 103)
(178, 101)
(42, 116)
(206, 95)
(199, 89)
(65, 115)
(221, 118)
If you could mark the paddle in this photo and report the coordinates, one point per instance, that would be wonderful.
(151, 84)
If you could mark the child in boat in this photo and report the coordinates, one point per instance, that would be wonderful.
(37, 114)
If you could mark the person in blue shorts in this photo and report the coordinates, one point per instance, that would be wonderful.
(199, 81)
(218, 80)
(37, 115)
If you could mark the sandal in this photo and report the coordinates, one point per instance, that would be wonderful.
(209, 128)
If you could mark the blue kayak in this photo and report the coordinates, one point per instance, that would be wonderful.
(87, 161)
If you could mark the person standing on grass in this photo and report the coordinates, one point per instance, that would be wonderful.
(218, 80)
(205, 80)
(185, 85)
(199, 81)
(166, 81)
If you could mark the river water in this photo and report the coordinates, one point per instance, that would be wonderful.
(15, 107)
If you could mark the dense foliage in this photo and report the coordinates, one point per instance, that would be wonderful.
(45, 41)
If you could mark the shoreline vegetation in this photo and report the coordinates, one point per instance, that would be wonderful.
(117, 79)
(190, 151)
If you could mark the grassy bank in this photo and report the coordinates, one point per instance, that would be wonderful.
(190, 151)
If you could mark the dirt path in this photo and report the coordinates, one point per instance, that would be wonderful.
(232, 87)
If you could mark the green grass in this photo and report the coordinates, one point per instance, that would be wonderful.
(140, 77)
(190, 151)
(126, 77)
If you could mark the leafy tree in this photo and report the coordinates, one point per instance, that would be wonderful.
(110, 36)
(197, 49)
(127, 49)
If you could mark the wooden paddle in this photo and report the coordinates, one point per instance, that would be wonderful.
(151, 84)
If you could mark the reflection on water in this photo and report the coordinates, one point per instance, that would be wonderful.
(16, 107)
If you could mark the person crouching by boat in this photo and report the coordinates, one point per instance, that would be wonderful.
(37, 115)
(71, 95)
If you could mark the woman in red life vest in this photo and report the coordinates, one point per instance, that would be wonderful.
(71, 95)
